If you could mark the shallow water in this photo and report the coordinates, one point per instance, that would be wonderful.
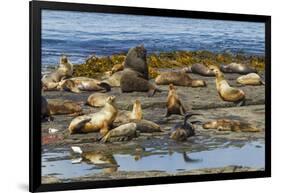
(80, 34)
(62, 163)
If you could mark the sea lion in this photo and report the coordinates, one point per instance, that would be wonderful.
(79, 84)
(117, 68)
(102, 159)
(122, 133)
(225, 91)
(237, 68)
(230, 125)
(62, 107)
(199, 68)
(179, 78)
(250, 79)
(97, 99)
(180, 132)
(100, 121)
(146, 126)
(134, 81)
(174, 104)
(51, 81)
(114, 79)
(136, 61)
(127, 116)
(45, 110)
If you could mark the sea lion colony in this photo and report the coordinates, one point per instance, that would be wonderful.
(132, 76)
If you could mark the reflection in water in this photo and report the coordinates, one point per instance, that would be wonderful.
(58, 162)
(101, 159)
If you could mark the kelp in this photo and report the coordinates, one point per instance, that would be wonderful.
(95, 66)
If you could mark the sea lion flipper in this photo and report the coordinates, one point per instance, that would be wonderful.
(106, 86)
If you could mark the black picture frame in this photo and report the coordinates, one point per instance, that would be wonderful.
(35, 95)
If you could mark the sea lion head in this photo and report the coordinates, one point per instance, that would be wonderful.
(140, 51)
(215, 69)
(63, 59)
(172, 87)
(210, 125)
(110, 99)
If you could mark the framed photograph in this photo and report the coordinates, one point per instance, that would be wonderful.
(127, 96)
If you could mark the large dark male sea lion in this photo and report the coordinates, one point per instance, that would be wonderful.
(174, 104)
(230, 125)
(200, 69)
(225, 91)
(136, 60)
(179, 78)
(100, 121)
(237, 68)
(51, 81)
(132, 81)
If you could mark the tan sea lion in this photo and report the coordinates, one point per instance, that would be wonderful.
(100, 121)
(250, 79)
(134, 81)
(79, 84)
(230, 125)
(146, 126)
(51, 81)
(97, 99)
(179, 78)
(136, 61)
(122, 133)
(200, 69)
(62, 107)
(127, 116)
(117, 68)
(114, 79)
(225, 91)
(174, 104)
(237, 68)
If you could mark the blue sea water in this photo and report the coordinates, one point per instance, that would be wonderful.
(81, 34)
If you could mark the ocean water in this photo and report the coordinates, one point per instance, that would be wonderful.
(81, 34)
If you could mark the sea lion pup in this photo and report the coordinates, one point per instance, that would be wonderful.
(199, 68)
(122, 133)
(51, 81)
(180, 132)
(134, 81)
(97, 99)
(226, 92)
(237, 68)
(114, 79)
(62, 107)
(117, 68)
(136, 61)
(230, 125)
(100, 121)
(179, 78)
(102, 159)
(250, 79)
(79, 84)
(174, 104)
(127, 116)
(45, 110)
